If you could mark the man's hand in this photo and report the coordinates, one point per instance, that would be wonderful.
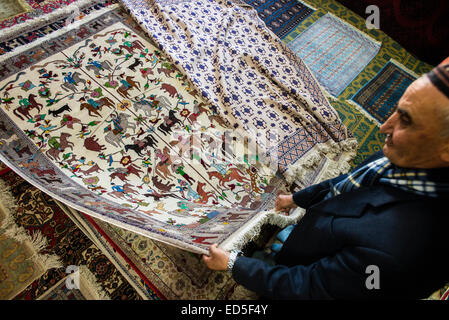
(217, 258)
(284, 203)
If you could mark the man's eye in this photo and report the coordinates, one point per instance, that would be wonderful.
(405, 120)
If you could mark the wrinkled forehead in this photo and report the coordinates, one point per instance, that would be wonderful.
(423, 102)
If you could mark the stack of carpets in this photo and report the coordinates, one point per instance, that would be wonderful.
(14, 12)
(44, 244)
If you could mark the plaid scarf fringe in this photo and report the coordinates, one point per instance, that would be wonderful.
(382, 171)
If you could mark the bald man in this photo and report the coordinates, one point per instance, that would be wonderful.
(379, 231)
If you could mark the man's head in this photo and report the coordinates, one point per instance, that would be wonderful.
(418, 131)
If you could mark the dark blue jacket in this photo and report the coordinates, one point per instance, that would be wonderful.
(327, 254)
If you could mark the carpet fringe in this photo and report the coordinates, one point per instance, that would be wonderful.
(253, 228)
(47, 261)
(364, 112)
(334, 167)
(329, 150)
(308, 4)
(38, 241)
(89, 283)
(8, 205)
(401, 66)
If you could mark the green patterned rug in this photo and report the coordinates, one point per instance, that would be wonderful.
(364, 129)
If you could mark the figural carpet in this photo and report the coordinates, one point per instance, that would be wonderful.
(127, 119)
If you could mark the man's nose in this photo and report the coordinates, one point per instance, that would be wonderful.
(388, 125)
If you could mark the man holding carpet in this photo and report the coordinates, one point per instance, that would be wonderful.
(379, 231)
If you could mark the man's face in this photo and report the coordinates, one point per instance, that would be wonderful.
(413, 130)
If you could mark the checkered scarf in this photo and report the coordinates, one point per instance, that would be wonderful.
(427, 182)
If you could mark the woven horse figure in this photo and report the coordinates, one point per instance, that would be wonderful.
(25, 109)
(231, 175)
(162, 167)
(71, 82)
(94, 107)
(97, 67)
(172, 117)
(204, 196)
(105, 101)
(119, 125)
(146, 106)
(169, 121)
(127, 84)
(57, 147)
(139, 146)
(131, 46)
(120, 173)
(198, 109)
(137, 62)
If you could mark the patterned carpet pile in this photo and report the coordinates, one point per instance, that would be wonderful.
(15, 12)
(380, 95)
(20, 34)
(281, 16)
(34, 212)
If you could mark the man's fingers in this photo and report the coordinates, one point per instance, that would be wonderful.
(281, 192)
(208, 259)
(278, 205)
(213, 248)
